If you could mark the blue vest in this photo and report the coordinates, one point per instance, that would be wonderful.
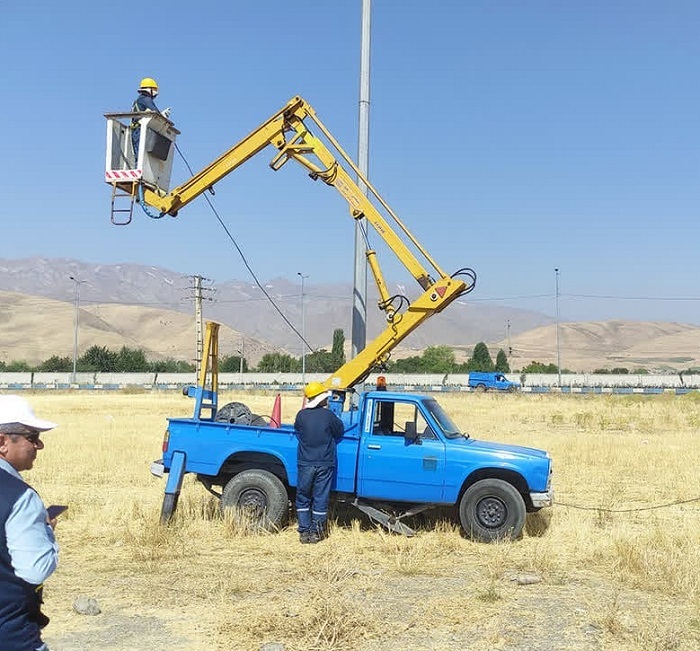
(21, 619)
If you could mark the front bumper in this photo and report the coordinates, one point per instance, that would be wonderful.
(540, 500)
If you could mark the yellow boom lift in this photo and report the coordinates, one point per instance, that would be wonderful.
(147, 179)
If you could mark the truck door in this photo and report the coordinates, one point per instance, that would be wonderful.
(394, 468)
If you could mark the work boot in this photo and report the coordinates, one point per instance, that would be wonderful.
(314, 538)
(305, 537)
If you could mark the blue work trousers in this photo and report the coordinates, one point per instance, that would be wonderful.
(313, 493)
(135, 137)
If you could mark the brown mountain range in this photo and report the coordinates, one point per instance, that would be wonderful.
(33, 328)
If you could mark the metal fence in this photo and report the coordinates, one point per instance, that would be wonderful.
(532, 383)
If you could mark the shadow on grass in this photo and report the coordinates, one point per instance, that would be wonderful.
(344, 514)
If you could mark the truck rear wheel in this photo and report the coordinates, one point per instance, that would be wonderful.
(260, 495)
(480, 388)
(492, 509)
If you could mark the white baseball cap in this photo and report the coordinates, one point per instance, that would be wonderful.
(15, 410)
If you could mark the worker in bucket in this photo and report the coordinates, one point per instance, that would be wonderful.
(28, 549)
(148, 91)
(318, 430)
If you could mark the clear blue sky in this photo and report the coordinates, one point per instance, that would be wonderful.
(513, 137)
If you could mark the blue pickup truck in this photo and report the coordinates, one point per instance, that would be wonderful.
(479, 381)
(401, 454)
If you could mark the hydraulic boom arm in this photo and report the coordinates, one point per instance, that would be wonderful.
(287, 131)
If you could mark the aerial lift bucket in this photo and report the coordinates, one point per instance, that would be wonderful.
(127, 173)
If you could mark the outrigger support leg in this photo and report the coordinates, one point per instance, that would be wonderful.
(173, 486)
(391, 522)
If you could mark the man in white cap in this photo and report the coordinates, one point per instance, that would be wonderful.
(318, 431)
(28, 549)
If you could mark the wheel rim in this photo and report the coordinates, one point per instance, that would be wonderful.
(491, 512)
(253, 500)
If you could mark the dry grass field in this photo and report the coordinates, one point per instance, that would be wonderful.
(615, 575)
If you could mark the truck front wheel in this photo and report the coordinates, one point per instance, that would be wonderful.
(260, 495)
(492, 509)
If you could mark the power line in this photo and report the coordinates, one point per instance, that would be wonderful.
(643, 508)
(633, 298)
(243, 257)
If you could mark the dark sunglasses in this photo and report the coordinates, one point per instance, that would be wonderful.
(32, 438)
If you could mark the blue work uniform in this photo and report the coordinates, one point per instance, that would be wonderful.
(318, 430)
(28, 556)
(143, 102)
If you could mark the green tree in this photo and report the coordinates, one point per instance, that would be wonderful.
(438, 359)
(539, 367)
(18, 366)
(321, 361)
(170, 365)
(232, 364)
(132, 360)
(56, 364)
(502, 365)
(278, 363)
(481, 359)
(406, 365)
(98, 358)
(337, 350)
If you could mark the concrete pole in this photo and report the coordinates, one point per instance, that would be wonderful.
(303, 328)
(75, 328)
(198, 325)
(240, 363)
(359, 293)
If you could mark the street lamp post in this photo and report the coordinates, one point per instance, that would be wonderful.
(303, 328)
(510, 348)
(556, 301)
(76, 322)
(240, 365)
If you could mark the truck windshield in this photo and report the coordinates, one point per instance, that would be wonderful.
(443, 420)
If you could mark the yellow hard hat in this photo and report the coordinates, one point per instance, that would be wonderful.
(148, 83)
(313, 389)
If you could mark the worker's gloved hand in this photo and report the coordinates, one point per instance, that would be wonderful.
(166, 112)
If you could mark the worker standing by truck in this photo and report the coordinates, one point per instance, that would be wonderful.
(318, 430)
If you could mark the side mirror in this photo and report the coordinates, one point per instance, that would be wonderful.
(410, 433)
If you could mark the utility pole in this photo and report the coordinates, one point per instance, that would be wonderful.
(240, 361)
(359, 293)
(76, 323)
(198, 295)
(303, 328)
(510, 348)
(556, 301)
